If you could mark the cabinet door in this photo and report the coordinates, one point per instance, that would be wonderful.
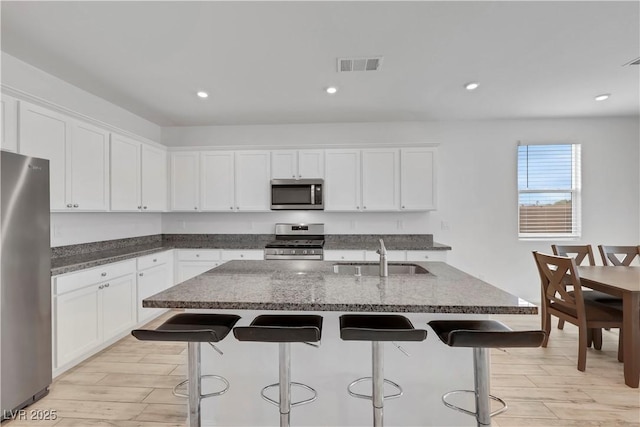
(311, 164)
(418, 178)
(284, 164)
(44, 134)
(380, 180)
(252, 173)
(190, 269)
(342, 180)
(217, 181)
(185, 177)
(118, 305)
(9, 124)
(150, 282)
(77, 325)
(125, 174)
(154, 178)
(88, 167)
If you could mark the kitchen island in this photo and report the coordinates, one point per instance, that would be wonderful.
(250, 288)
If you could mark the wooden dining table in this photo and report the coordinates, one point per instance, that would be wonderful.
(622, 282)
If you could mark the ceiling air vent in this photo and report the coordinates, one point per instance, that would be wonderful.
(633, 62)
(359, 64)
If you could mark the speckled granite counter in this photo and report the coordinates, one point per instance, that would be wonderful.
(66, 259)
(312, 286)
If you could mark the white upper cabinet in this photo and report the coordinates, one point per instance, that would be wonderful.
(138, 176)
(297, 164)
(88, 168)
(380, 179)
(9, 123)
(153, 179)
(418, 178)
(185, 181)
(77, 154)
(252, 184)
(125, 174)
(342, 180)
(217, 181)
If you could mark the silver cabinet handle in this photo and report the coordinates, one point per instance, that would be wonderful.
(197, 255)
(241, 255)
(402, 207)
(144, 207)
(69, 205)
(103, 274)
(106, 285)
(364, 207)
(293, 176)
(101, 287)
(140, 207)
(75, 205)
(231, 207)
(196, 208)
(155, 260)
(141, 274)
(357, 207)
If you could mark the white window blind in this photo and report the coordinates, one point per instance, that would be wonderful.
(548, 190)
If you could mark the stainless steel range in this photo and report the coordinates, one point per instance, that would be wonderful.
(296, 241)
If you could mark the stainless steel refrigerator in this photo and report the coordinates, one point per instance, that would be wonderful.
(25, 282)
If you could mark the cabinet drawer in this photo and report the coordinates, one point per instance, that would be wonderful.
(76, 280)
(343, 255)
(199, 254)
(231, 254)
(152, 260)
(426, 255)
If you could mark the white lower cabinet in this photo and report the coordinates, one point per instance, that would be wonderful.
(155, 274)
(91, 313)
(192, 262)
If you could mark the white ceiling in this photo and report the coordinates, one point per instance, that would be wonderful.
(269, 62)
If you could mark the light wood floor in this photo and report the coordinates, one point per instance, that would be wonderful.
(129, 385)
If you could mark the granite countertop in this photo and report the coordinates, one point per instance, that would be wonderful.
(67, 259)
(312, 286)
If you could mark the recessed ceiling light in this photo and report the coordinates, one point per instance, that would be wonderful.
(472, 86)
(602, 97)
(202, 94)
(331, 90)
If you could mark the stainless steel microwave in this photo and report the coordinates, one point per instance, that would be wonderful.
(291, 194)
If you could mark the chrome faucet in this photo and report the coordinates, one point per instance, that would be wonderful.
(384, 269)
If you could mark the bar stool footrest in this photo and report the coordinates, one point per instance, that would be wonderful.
(473, 414)
(301, 402)
(368, 397)
(177, 393)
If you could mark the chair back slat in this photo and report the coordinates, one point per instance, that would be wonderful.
(555, 273)
(579, 252)
(611, 255)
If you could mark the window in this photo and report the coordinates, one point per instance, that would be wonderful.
(548, 191)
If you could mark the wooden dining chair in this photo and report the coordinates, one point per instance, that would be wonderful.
(611, 255)
(555, 272)
(580, 253)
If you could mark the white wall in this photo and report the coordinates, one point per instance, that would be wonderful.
(477, 186)
(26, 79)
(73, 228)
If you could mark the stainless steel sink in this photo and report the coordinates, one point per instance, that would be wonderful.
(373, 269)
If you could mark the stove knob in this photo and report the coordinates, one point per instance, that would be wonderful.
(304, 252)
(293, 251)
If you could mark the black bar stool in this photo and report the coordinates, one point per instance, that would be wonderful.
(378, 328)
(283, 329)
(193, 328)
(482, 335)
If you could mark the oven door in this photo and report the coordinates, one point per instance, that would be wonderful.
(301, 194)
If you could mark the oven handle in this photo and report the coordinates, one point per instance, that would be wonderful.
(313, 194)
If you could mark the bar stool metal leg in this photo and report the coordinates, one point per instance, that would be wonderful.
(481, 365)
(377, 363)
(194, 383)
(285, 383)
